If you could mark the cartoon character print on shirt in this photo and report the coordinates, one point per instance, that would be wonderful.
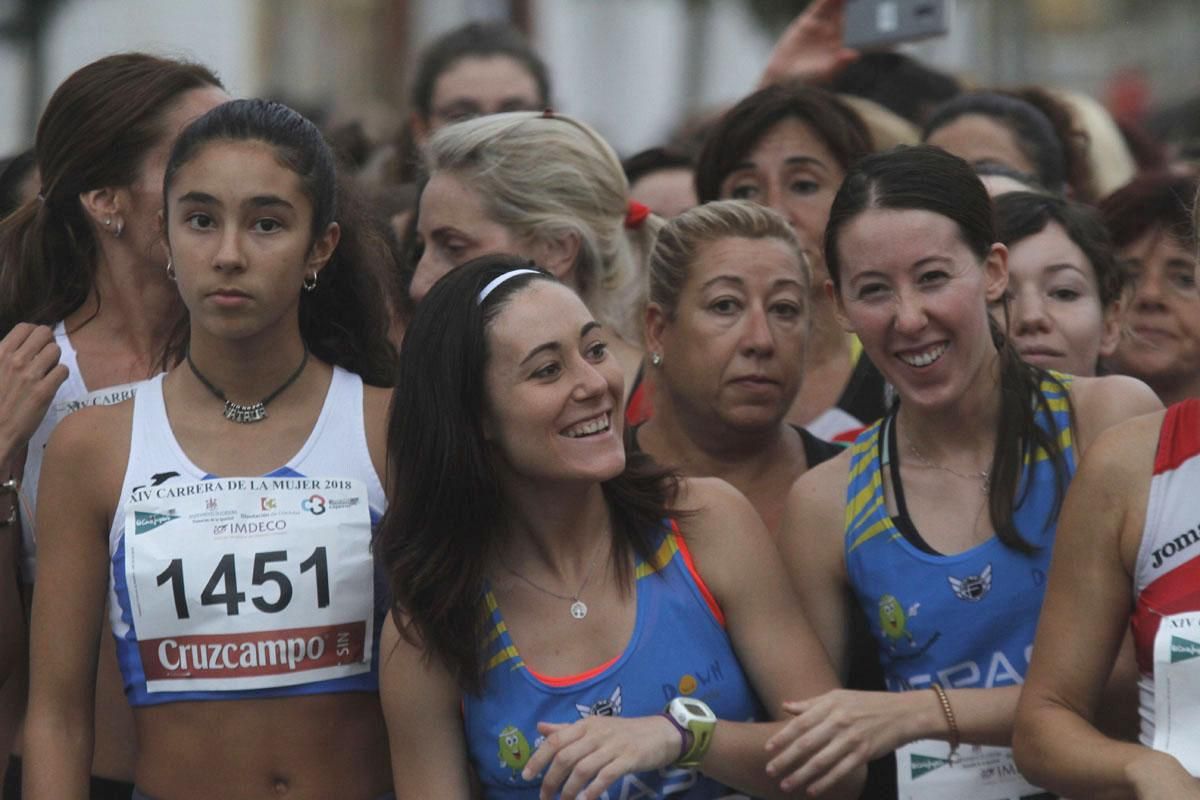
(514, 750)
(894, 622)
(605, 707)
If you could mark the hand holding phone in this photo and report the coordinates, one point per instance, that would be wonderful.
(811, 48)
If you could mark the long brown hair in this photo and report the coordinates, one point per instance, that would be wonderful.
(446, 509)
(95, 131)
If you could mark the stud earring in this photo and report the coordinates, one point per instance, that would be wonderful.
(656, 359)
(310, 281)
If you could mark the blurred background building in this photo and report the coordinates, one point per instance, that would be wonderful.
(634, 68)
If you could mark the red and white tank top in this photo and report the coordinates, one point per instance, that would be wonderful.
(1166, 619)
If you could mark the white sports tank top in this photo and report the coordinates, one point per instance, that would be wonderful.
(70, 397)
(231, 587)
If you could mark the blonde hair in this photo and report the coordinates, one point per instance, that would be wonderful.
(1112, 165)
(680, 240)
(547, 176)
(887, 129)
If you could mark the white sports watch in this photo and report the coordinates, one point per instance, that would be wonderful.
(695, 722)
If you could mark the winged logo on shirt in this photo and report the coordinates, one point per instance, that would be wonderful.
(973, 587)
(607, 707)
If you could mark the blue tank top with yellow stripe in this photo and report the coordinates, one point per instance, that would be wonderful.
(965, 620)
(679, 647)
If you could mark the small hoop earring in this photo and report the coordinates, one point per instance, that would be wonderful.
(170, 269)
(656, 359)
(310, 281)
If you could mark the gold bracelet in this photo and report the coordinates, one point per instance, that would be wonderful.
(955, 738)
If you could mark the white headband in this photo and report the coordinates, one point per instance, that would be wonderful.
(499, 279)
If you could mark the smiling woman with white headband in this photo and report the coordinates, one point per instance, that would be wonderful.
(567, 619)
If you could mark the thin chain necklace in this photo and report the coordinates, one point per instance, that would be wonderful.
(245, 414)
(982, 475)
(579, 609)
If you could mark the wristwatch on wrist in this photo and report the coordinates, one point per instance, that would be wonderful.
(695, 722)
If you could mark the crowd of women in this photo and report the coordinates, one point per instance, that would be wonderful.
(830, 459)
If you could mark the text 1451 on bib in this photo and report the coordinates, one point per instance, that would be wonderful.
(250, 583)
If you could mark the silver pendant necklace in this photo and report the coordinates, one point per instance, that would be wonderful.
(245, 414)
(578, 609)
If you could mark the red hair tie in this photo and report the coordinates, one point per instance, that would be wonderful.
(636, 214)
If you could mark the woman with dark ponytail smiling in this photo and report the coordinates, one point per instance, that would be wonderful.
(941, 517)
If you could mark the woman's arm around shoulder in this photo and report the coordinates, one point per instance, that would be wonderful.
(79, 489)
(775, 643)
(422, 707)
(1102, 402)
(1086, 613)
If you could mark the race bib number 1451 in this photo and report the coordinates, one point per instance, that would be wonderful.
(250, 583)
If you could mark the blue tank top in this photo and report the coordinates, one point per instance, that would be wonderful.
(965, 620)
(679, 647)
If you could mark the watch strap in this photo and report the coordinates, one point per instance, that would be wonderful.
(686, 737)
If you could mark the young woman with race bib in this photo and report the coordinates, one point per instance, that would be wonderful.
(568, 619)
(227, 510)
(85, 306)
(940, 519)
(1129, 557)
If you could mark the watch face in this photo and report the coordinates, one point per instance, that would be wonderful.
(698, 710)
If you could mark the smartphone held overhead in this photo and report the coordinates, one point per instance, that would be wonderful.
(872, 24)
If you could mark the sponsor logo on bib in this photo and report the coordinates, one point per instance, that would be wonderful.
(252, 654)
(923, 765)
(145, 521)
(1183, 649)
